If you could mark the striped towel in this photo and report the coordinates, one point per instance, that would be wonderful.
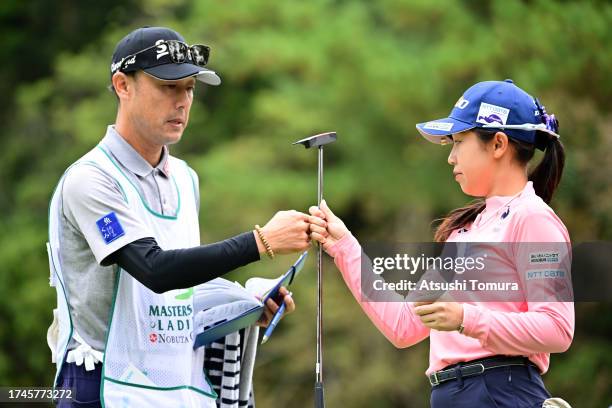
(229, 364)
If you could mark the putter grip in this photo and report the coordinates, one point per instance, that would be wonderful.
(319, 400)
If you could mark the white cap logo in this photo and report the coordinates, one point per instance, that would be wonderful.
(462, 103)
(488, 114)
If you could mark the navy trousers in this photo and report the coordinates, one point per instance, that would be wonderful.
(85, 386)
(503, 387)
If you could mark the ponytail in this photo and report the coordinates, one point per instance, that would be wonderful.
(545, 177)
(547, 174)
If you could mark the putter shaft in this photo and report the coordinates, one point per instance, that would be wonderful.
(319, 141)
(319, 366)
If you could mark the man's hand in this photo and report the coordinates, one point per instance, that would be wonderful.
(286, 232)
(325, 227)
(443, 316)
(272, 307)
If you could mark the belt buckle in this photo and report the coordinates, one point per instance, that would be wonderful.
(479, 365)
(435, 380)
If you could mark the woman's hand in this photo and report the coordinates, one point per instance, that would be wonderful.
(325, 227)
(272, 307)
(443, 316)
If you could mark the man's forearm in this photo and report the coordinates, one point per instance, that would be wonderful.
(163, 270)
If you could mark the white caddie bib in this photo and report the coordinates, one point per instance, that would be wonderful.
(149, 359)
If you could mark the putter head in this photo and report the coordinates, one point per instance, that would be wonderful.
(318, 140)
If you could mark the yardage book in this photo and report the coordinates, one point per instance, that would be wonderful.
(225, 307)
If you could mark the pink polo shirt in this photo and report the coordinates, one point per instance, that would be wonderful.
(532, 329)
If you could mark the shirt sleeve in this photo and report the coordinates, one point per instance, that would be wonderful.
(95, 205)
(395, 320)
(162, 271)
(547, 325)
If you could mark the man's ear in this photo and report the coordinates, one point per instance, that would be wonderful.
(500, 144)
(123, 85)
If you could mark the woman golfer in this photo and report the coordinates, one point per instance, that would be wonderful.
(482, 354)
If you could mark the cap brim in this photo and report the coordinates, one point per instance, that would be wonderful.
(438, 130)
(171, 72)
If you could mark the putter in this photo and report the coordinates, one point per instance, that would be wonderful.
(319, 141)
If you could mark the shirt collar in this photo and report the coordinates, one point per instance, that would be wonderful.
(496, 202)
(129, 157)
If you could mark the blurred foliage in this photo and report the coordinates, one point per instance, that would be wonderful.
(370, 71)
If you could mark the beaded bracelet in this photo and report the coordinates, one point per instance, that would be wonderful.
(263, 239)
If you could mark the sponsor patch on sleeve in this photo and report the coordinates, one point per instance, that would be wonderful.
(540, 258)
(545, 274)
(110, 227)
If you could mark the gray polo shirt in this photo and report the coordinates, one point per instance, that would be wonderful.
(88, 194)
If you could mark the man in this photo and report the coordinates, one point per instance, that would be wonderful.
(124, 238)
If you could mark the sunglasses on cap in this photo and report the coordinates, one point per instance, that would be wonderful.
(166, 51)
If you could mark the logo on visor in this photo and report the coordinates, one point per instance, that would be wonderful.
(488, 114)
(443, 126)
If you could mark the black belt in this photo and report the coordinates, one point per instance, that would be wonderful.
(475, 367)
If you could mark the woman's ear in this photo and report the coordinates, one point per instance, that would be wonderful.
(500, 144)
